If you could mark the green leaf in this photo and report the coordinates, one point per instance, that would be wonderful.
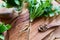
(51, 14)
(1, 37)
(4, 27)
(8, 26)
(17, 2)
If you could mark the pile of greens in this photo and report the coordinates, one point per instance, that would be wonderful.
(39, 8)
(3, 28)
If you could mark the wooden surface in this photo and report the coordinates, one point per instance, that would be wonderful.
(33, 34)
(14, 33)
(23, 20)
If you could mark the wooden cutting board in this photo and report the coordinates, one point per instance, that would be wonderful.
(13, 33)
(33, 34)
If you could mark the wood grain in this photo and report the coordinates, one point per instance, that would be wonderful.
(34, 34)
(17, 25)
